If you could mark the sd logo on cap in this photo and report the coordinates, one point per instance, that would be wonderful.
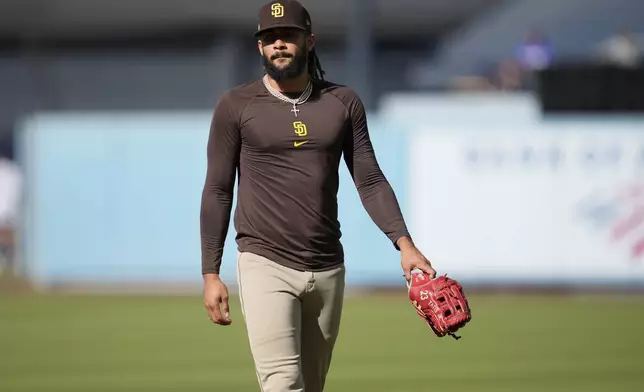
(277, 10)
(285, 13)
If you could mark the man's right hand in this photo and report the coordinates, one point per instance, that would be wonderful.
(215, 293)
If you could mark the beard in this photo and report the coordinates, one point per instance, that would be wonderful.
(294, 69)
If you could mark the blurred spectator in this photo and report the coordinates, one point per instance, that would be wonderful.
(505, 76)
(10, 195)
(471, 83)
(535, 52)
(509, 76)
(621, 50)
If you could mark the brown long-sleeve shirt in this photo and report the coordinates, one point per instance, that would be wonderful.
(288, 174)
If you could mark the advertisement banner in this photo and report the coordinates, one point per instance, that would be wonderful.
(549, 202)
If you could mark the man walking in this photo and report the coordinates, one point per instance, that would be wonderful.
(284, 136)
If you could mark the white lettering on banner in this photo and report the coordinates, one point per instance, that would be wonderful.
(535, 204)
(549, 157)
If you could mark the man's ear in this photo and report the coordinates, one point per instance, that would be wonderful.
(260, 47)
(310, 41)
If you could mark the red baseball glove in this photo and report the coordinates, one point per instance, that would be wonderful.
(440, 302)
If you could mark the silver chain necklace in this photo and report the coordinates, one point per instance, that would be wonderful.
(297, 101)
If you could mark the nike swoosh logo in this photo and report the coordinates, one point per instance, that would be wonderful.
(297, 144)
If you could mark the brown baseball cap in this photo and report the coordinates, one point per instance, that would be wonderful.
(286, 13)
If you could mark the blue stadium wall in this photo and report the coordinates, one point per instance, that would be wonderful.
(113, 198)
(493, 194)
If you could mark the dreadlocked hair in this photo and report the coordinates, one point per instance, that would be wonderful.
(315, 68)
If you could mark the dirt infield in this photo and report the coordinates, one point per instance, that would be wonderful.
(11, 284)
(15, 285)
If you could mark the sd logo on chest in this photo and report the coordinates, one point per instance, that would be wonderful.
(301, 134)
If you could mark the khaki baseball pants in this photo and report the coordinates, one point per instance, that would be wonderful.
(292, 318)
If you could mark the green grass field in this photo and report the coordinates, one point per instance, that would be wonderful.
(112, 343)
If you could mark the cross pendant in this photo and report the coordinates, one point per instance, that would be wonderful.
(295, 110)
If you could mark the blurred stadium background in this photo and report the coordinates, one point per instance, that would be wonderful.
(104, 115)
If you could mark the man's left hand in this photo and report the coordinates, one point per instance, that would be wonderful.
(411, 258)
